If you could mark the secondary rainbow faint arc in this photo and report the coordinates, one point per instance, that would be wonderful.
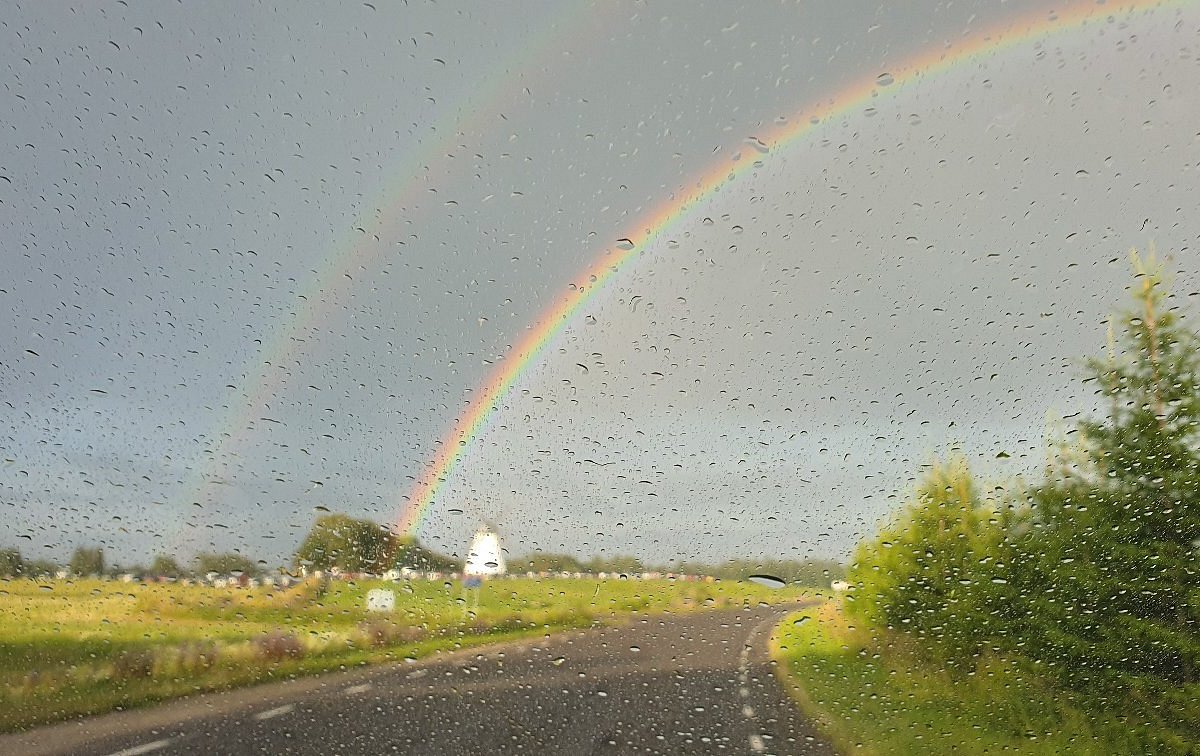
(261, 373)
(553, 320)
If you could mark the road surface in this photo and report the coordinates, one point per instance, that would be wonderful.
(694, 683)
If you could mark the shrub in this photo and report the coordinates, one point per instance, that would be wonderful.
(277, 646)
(135, 664)
(381, 633)
(198, 656)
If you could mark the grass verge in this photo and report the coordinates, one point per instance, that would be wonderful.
(75, 648)
(871, 692)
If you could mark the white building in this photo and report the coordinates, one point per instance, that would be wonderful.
(485, 558)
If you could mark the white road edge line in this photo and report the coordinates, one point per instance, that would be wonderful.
(143, 748)
(269, 713)
(757, 745)
(353, 689)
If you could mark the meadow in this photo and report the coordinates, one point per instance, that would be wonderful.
(70, 648)
(873, 692)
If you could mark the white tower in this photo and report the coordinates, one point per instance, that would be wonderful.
(485, 558)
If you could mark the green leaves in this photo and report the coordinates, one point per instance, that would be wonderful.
(342, 542)
(1092, 573)
(939, 568)
(1127, 511)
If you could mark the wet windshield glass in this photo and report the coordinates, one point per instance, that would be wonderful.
(631, 377)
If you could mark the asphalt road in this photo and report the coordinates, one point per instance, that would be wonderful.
(696, 683)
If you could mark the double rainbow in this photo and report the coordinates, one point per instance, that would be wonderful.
(416, 505)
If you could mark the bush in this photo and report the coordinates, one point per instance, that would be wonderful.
(277, 646)
(198, 656)
(381, 633)
(935, 571)
(135, 664)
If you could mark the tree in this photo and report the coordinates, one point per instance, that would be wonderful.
(540, 561)
(620, 564)
(934, 571)
(1113, 575)
(338, 540)
(225, 564)
(11, 563)
(87, 560)
(815, 573)
(165, 565)
(40, 568)
(408, 552)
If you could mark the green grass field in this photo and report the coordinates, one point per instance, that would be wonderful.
(70, 648)
(872, 694)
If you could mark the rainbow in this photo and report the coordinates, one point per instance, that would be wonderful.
(922, 66)
(264, 372)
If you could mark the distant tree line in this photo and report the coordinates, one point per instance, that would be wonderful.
(90, 561)
(351, 545)
(12, 564)
(1090, 573)
(816, 573)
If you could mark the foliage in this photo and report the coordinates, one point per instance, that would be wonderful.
(935, 571)
(873, 692)
(87, 560)
(165, 565)
(817, 573)
(225, 564)
(40, 568)
(11, 563)
(1113, 581)
(812, 573)
(342, 542)
(278, 645)
(541, 561)
(408, 552)
(1093, 576)
(352, 545)
(624, 565)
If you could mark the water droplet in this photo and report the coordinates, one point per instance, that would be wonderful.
(769, 581)
(885, 79)
(625, 244)
(758, 145)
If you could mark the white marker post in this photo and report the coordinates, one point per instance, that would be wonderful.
(380, 600)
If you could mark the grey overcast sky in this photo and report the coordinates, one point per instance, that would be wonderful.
(257, 259)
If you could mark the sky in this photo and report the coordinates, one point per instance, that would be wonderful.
(259, 260)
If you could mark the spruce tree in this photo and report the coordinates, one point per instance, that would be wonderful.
(1112, 586)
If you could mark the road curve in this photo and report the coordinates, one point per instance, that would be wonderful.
(692, 683)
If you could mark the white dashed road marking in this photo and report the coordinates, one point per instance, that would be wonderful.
(757, 745)
(354, 689)
(278, 710)
(143, 748)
